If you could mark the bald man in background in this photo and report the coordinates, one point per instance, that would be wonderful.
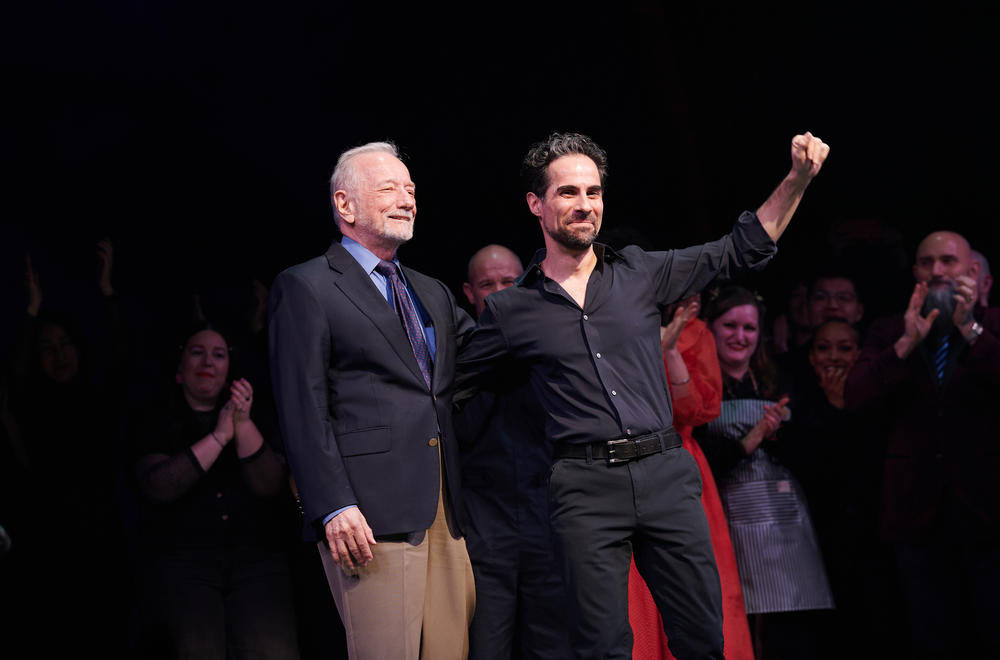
(933, 375)
(505, 465)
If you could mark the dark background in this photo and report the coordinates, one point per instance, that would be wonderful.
(200, 136)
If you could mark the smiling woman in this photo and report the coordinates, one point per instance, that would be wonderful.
(212, 570)
(203, 369)
(781, 570)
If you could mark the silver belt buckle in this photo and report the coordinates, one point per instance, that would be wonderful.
(612, 460)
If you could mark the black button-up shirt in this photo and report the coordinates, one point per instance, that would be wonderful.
(598, 371)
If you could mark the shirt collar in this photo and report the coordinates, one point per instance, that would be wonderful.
(363, 255)
(531, 274)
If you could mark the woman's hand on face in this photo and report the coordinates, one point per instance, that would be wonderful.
(833, 380)
(242, 400)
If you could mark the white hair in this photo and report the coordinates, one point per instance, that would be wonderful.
(345, 176)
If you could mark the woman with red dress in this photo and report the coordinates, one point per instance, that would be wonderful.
(692, 365)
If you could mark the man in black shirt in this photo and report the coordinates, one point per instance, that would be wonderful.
(520, 600)
(585, 320)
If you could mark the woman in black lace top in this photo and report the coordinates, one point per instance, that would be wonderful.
(213, 574)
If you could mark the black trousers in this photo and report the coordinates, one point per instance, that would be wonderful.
(601, 514)
(520, 600)
(950, 584)
(216, 604)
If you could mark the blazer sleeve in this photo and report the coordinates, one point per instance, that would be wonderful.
(300, 345)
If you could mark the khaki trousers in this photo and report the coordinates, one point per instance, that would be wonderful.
(414, 600)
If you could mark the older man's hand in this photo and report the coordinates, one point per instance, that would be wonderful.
(349, 538)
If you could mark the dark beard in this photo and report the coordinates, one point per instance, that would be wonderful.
(941, 297)
(568, 239)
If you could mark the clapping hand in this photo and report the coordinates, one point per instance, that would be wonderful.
(966, 294)
(915, 325)
(242, 400)
(683, 312)
(774, 415)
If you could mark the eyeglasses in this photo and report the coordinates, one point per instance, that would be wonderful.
(844, 297)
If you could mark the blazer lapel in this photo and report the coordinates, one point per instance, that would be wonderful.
(357, 286)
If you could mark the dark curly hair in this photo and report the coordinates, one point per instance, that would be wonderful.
(534, 168)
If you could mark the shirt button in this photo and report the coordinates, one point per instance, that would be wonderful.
(586, 318)
(628, 431)
(598, 356)
(433, 442)
(613, 393)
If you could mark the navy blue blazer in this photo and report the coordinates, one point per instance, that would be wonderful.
(358, 422)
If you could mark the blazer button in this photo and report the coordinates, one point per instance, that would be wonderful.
(433, 442)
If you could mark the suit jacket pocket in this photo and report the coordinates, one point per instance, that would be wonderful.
(375, 440)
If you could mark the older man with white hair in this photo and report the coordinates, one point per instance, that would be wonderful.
(363, 357)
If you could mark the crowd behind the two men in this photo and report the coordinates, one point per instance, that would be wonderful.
(71, 493)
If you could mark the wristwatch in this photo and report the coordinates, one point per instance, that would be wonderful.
(974, 332)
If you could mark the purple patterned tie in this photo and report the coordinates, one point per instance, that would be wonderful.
(408, 315)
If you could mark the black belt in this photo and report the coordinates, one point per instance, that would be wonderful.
(621, 450)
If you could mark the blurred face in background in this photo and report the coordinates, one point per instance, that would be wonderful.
(57, 353)
(834, 298)
(834, 347)
(737, 333)
(984, 281)
(203, 368)
(492, 269)
(798, 312)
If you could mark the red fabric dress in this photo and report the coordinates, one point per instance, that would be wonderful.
(697, 347)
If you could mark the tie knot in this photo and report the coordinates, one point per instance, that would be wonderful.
(387, 268)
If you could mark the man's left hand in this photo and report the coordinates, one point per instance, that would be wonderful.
(965, 300)
(808, 154)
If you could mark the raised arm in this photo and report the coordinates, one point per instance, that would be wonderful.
(808, 154)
